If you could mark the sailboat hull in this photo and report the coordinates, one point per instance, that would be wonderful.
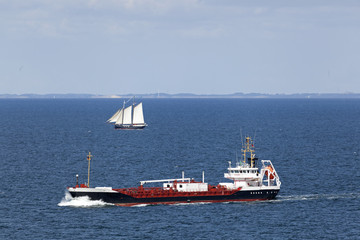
(129, 127)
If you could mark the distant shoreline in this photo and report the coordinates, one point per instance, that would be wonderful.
(183, 95)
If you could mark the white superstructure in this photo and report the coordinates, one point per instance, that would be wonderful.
(246, 175)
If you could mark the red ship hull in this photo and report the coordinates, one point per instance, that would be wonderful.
(136, 196)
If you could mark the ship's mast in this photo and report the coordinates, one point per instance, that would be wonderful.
(123, 113)
(132, 111)
(89, 158)
(249, 148)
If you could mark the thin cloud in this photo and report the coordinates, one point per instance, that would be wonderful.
(202, 32)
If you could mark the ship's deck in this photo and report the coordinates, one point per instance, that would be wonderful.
(148, 192)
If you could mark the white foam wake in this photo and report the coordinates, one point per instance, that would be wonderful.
(316, 197)
(141, 205)
(81, 202)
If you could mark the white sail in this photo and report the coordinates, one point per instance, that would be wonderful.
(119, 119)
(138, 114)
(114, 117)
(127, 115)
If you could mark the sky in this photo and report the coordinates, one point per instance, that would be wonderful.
(110, 47)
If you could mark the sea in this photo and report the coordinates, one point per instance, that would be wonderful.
(314, 145)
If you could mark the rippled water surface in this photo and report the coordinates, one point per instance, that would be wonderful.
(313, 144)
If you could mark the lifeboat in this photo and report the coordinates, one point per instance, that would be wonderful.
(269, 172)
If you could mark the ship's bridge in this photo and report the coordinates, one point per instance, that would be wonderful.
(241, 173)
(246, 175)
(243, 176)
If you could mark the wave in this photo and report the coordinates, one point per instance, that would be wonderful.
(141, 205)
(81, 202)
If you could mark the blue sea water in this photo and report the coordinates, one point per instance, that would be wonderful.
(313, 144)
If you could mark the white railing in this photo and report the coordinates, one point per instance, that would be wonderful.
(276, 179)
(165, 180)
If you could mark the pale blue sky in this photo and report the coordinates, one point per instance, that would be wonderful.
(195, 46)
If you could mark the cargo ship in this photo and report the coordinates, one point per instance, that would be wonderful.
(249, 183)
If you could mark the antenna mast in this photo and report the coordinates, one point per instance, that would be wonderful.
(248, 147)
(89, 158)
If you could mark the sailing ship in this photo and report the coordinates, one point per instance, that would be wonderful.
(131, 117)
(250, 183)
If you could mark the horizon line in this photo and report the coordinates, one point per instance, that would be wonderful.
(183, 95)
